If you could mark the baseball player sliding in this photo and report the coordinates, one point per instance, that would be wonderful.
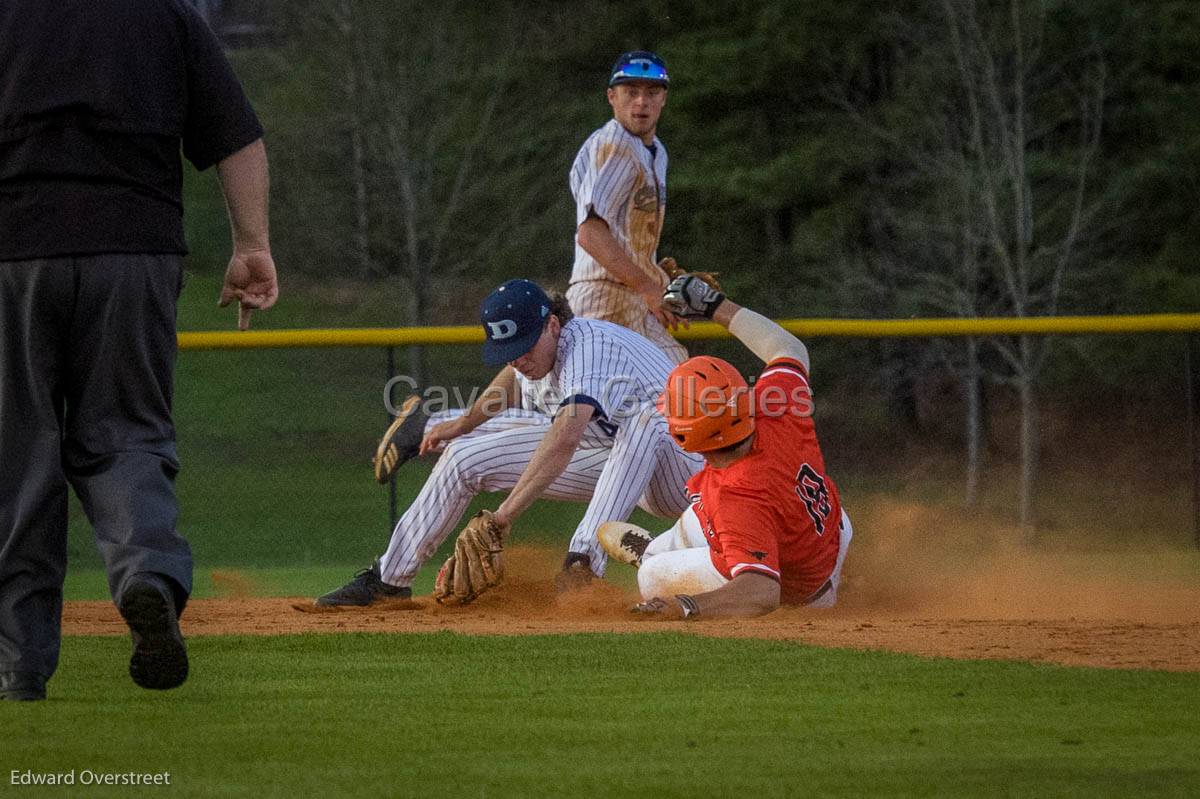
(619, 181)
(766, 523)
(571, 415)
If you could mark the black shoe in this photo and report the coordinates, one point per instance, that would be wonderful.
(22, 686)
(159, 657)
(366, 588)
(402, 441)
(576, 572)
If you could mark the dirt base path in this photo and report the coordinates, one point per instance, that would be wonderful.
(1022, 614)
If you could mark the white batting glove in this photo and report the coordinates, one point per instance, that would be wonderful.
(690, 297)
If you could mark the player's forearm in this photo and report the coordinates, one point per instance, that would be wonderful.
(549, 461)
(245, 183)
(547, 464)
(599, 242)
(500, 395)
(748, 594)
(762, 336)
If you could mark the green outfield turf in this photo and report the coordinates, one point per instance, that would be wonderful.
(663, 715)
(305, 529)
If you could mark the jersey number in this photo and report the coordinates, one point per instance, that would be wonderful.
(811, 489)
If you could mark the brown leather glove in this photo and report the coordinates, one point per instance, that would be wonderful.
(673, 270)
(477, 563)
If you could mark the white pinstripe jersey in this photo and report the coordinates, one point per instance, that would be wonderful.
(539, 395)
(609, 367)
(616, 177)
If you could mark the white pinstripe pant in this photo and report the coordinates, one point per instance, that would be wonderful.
(640, 466)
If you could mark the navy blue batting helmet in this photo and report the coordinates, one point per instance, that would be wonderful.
(513, 317)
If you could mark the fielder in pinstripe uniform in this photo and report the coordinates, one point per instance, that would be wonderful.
(570, 416)
(619, 181)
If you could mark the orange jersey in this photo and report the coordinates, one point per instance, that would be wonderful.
(775, 511)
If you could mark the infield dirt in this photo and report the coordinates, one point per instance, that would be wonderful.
(977, 596)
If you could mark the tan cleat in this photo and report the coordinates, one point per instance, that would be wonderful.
(624, 541)
(402, 441)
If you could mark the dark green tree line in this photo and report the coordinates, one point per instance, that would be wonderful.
(895, 158)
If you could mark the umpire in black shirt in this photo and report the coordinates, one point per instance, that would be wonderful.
(96, 99)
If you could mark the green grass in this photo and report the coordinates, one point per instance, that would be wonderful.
(85, 584)
(300, 527)
(602, 715)
(297, 581)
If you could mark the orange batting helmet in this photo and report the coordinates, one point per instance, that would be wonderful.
(707, 404)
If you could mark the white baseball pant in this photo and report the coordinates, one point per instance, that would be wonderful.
(640, 466)
(678, 561)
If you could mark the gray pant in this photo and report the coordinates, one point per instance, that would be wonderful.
(87, 351)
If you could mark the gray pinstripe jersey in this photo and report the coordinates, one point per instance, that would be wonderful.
(607, 366)
(616, 177)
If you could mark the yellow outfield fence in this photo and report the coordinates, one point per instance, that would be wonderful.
(391, 338)
(814, 328)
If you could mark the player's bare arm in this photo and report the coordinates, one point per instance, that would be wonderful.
(548, 462)
(250, 277)
(595, 237)
(744, 596)
(500, 395)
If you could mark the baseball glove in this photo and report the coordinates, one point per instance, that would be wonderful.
(477, 563)
(673, 271)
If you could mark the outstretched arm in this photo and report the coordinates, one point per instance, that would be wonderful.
(548, 462)
(748, 594)
(763, 337)
(689, 296)
(499, 396)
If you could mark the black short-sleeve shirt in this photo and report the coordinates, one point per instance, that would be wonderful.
(97, 97)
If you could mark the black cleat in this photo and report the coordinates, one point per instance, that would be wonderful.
(402, 441)
(21, 686)
(159, 657)
(365, 589)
